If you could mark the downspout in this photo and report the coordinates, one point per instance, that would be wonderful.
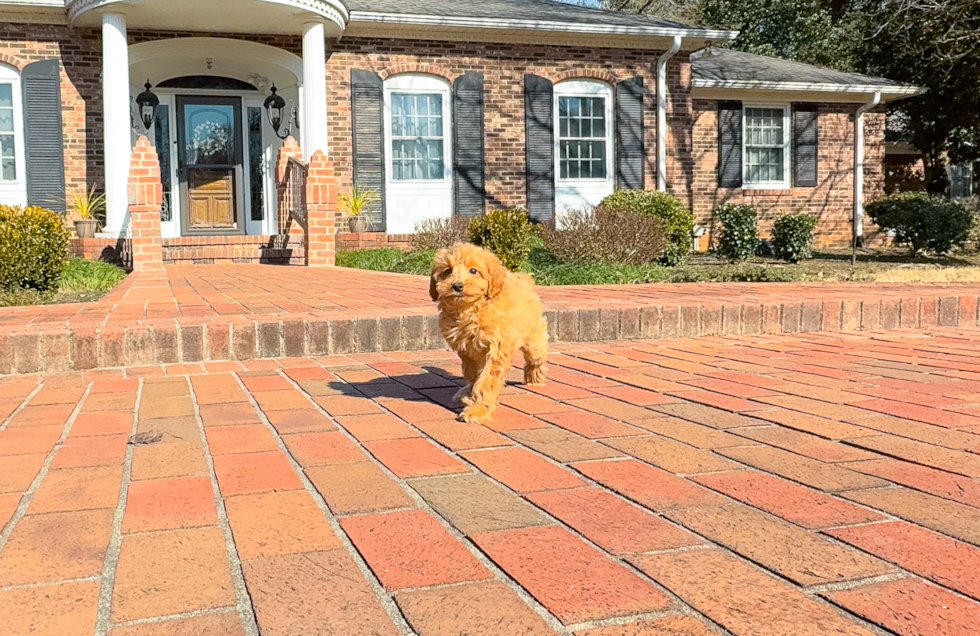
(859, 172)
(675, 46)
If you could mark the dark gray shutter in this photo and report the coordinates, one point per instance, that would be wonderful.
(730, 144)
(539, 147)
(804, 145)
(630, 151)
(367, 113)
(43, 135)
(468, 144)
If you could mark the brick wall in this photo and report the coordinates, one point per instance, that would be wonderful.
(372, 240)
(830, 201)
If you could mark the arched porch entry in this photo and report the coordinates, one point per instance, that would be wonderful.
(217, 149)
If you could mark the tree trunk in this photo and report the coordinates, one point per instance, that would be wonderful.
(934, 165)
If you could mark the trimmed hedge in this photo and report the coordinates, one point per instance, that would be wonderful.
(739, 237)
(678, 220)
(792, 237)
(34, 245)
(506, 233)
(925, 222)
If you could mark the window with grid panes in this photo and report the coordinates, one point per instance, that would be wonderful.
(582, 137)
(8, 154)
(765, 145)
(417, 140)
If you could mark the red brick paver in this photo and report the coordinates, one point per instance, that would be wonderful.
(641, 491)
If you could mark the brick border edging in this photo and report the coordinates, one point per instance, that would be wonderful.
(55, 351)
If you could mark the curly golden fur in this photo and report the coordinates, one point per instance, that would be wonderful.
(486, 313)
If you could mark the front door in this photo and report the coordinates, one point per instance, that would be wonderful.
(210, 164)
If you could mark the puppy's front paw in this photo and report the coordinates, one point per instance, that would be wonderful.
(475, 414)
(534, 376)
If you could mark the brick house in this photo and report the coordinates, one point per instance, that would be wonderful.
(442, 107)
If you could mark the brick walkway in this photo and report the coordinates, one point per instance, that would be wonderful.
(768, 486)
(241, 312)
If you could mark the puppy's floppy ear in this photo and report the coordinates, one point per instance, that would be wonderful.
(496, 276)
(439, 263)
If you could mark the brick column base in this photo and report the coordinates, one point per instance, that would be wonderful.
(145, 199)
(321, 205)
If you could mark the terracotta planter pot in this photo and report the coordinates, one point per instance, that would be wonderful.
(357, 224)
(85, 228)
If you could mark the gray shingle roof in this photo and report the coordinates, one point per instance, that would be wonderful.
(509, 11)
(715, 67)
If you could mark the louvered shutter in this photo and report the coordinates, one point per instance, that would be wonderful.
(468, 142)
(367, 114)
(805, 145)
(630, 152)
(43, 135)
(539, 147)
(730, 144)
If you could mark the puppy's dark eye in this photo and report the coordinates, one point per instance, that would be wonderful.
(447, 272)
(473, 270)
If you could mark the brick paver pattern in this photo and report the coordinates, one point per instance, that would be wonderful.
(799, 485)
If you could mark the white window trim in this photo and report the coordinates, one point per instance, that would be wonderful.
(420, 84)
(585, 88)
(15, 192)
(784, 184)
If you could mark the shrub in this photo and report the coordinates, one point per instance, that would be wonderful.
(792, 237)
(925, 222)
(678, 220)
(739, 236)
(972, 205)
(33, 248)
(435, 234)
(506, 233)
(611, 235)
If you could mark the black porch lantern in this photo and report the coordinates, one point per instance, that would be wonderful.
(147, 103)
(275, 108)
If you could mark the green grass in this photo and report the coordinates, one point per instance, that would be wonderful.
(82, 281)
(388, 259)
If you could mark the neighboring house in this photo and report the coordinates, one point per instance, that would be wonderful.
(442, 106)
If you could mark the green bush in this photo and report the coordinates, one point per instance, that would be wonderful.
(792, 237)
(506, 233)
(972, 205)
(33, 248)
(924, 222)
(739, 237)
(678, 220)
(82, 275)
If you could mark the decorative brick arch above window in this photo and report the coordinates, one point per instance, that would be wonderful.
(585, 73)
(12, 60)
(424, 69)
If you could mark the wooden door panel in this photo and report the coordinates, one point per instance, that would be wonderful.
(211, 194)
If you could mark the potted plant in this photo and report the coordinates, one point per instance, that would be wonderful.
(86, 206)
(354, 203)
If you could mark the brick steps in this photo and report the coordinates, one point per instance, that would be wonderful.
(167, 341)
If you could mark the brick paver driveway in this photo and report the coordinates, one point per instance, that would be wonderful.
(767, 486)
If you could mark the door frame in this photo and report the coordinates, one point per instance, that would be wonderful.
(180, 100)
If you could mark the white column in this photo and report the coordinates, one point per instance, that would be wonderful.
(675, 46)
(115, 121)
(314, 89)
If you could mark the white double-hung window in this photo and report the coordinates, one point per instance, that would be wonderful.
(583, 120)
(13, 181)
(417, 136)
(765, 146)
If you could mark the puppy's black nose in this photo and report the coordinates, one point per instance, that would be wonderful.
(457, 287)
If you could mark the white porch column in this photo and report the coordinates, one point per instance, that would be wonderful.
(858, 184)
(115, 121)
(314, 131)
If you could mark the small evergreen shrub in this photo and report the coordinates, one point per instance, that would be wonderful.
(925, 222)
(506, 233)
(739, 237)
(678, 220)
(435, 234)
(33, 248)
(792, 237)
(972, 205)
(609, 235)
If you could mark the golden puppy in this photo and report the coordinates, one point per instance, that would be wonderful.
(486, 313)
